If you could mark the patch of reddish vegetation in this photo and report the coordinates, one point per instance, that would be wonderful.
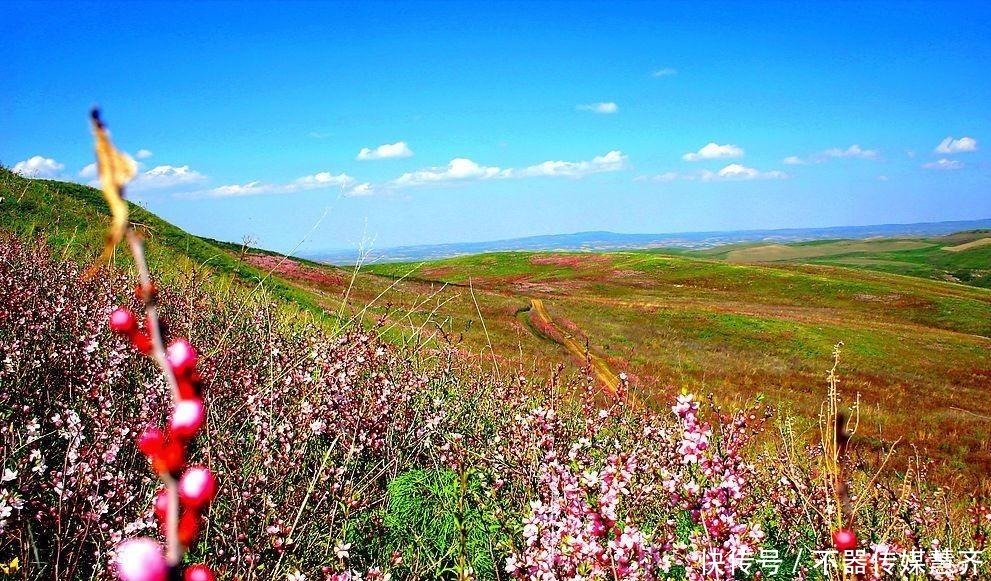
(293, 270)
(526, 287)
(571, 327)
(628, 273)
(545, 328)
(568, 260)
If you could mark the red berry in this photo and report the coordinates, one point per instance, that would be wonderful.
(197, 487)
(141, 559)
(181, 357)
(189, 527)
(199, 573)
(141, 341)
(845, 540)
(187, 417)
(189, 386)
(122, 321)
(161, 505)
(169, 458)
(150, 441)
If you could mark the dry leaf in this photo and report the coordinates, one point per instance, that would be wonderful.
(116, 169)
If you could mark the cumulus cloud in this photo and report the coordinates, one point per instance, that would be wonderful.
(88, 171)
(386, 151)
(612, 161)
(713, 150)
(736, 171)
(951, 145)
(665, 72)
(157, 178)
(143, 154)
(38, 167)
(463, 169)
(944, 164)
(794, 160)
(362, 189)
(321, 180)
(853, 151)
(165, 176)
(457, 169)
(732, 172)
(604, 108)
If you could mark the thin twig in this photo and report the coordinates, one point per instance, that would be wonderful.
(174, 550)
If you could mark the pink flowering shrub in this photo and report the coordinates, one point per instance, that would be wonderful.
(635, 496)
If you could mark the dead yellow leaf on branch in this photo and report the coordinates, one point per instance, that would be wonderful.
(116, 169)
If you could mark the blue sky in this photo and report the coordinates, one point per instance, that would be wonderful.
(336, 124)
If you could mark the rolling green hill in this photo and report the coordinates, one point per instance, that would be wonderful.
(964, 257)
(73, 219)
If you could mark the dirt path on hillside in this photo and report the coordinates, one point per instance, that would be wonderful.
(602, 371)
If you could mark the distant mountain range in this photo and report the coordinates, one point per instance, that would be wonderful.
(605, 241)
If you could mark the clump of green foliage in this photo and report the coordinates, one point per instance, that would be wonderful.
(439, 522)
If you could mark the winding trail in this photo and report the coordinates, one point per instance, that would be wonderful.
(600, 368)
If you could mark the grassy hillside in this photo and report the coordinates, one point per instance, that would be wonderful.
(73, 219)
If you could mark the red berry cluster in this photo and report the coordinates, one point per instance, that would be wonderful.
(166, 451)
(844, 540)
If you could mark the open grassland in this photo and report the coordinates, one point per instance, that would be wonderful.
(916, 350)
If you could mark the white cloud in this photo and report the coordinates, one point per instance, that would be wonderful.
(950, 145)
(713, 150)
(38, 167)
(882, 178)
(248, 189)
(665, 72)
(944, 164)
(317, 181)
(386, 151)
(88, 171)
(605, 108)
(852, 151)
(732, 172)
(462, 169)
(323, 179)
(794, 160)
(360, 190)
(739, 172)
(143, 154)
(457, 169)
(157, 178)
(165, 176)
(612, 161)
